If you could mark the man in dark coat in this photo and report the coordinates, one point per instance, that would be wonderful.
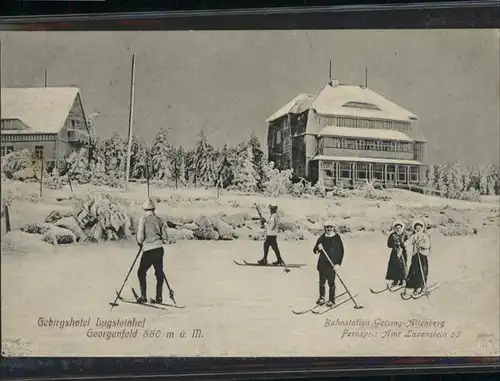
(330, 244)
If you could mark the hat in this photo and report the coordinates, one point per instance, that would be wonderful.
(328, 223)
(418, 222)
(148, 205)
(398, 222)
(273, 205)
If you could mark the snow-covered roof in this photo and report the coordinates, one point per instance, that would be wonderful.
(346, 100)
(366, 133)
(367, 160)
(299, 104)
(41, 109)
(359, 102)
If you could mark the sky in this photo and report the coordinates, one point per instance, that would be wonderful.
(228, 82)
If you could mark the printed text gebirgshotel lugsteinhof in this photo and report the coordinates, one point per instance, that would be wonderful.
(108, 329)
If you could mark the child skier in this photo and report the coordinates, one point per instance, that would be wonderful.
(419, 268)
(329, 243)
(396, 268)
(151, 235)
(271, 241)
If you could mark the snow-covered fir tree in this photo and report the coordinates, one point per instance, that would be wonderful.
(138, 158)
(245, 177)
(78, 167)
(259, 162)
(177, 168)
(160, 156)
(222, 168)
(115, 149)
(199, 161)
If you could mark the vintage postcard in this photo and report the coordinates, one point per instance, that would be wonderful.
(253, 193)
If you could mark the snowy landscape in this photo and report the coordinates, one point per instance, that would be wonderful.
(71, 239)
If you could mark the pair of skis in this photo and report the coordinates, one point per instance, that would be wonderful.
(245, 263)
(151, 304)
(317, 309)
(320, 309)
(387, 288)
(407, 296)
(425, 292)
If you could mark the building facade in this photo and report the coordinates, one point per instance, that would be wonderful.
(48, 121)
(347, 135)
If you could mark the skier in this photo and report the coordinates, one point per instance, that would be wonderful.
(329, 243)
(396, 268)
(151, 235)
(419, 268)
(271, 226)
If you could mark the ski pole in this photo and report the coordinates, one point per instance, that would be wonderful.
(170, 291)
(125, 281)
(422, 274)
(356, 305)
(287, 270)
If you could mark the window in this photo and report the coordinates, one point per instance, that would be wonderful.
(351, 144)
(367, 106)
(39, 152)
(329, 173)
(345, 170)
(278, 136)
(391, 172)
(73, 123)
(327, 164)
(378, 171)
(361, 144)
(402, 173)
(5, 150)
(414, 172)
(384, 146)
(370, 145)
(362, 171)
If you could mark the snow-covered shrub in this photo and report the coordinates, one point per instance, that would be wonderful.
(16, 161)
(103, 217)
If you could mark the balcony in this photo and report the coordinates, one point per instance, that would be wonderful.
(77, 136)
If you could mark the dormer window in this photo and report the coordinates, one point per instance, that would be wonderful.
(367, 106)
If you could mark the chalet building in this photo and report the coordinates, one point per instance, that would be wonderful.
(48, 121)
(346, 135)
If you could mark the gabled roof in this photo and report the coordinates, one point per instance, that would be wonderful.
(41, 109)
(346, 100)
(365, 133)
(297, 105)
(357, 101)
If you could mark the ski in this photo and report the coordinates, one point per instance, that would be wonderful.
(245, 263)
(315, 307)
(396, 288)
(152, 301)
(379, 291)
(432, 287)
(387, 288)
(124, 300)
(333, 307)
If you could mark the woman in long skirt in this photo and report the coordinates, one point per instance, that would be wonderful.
(396, 268)
(419, 268)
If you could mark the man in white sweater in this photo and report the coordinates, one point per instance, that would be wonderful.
(151, 235)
